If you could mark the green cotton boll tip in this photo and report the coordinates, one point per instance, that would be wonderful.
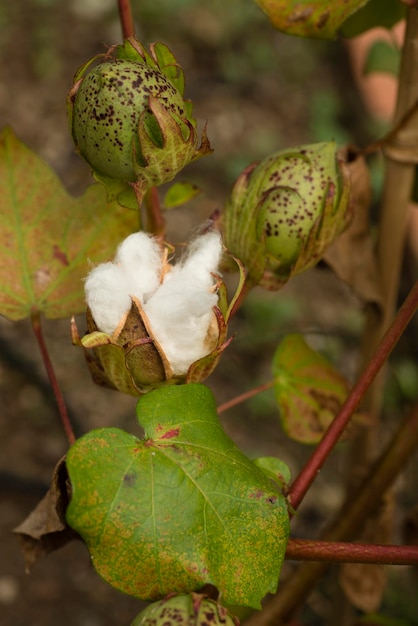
(107, 109)
(185, 610)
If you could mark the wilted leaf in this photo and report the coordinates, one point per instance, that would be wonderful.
(364, 584)
(382, 57)
(180, 193)
(179, 509)
(384, 13)
(309, 391)
(309, 18)
(351, 256)
(45, 528)
(410, 527)
(49, 239)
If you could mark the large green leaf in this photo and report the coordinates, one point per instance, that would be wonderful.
(180, 508)
(309, 391)
(309, 18)
(48, 239)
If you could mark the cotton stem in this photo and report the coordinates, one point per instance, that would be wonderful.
(37, 329)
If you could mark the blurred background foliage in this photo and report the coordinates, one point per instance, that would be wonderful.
(259, 91)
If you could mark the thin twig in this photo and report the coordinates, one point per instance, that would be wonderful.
(342, 552)
(244, 396)
(358, 507)
(37, 329)
(156, 223)
(302, 483)
(126, 19)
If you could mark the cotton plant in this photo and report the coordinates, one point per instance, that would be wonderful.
(151, 322)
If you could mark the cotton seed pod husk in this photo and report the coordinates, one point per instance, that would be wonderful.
(284, 212)
(185, 610)
(130, 121)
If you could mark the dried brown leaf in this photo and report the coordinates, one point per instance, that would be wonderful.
(45, 528)
(351, 256)
(364, 585)
(410, 527)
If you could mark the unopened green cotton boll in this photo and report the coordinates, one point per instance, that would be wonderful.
(185, 610)
(130, 121)
(107, 110)
(284, 212)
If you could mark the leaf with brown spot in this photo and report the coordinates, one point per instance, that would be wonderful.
(309, 18)
(179, 509)
(45, 528)
(48, 239)
(309, 391)
(351, 256)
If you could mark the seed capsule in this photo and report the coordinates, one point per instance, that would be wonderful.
(283, 213)
(129, 120)
(185, 610)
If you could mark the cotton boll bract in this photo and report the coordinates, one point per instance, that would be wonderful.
(106, 290)
(140, 257)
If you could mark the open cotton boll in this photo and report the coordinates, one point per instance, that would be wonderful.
(180, 311)
(107, 295)
(140, 257)
(203, 257)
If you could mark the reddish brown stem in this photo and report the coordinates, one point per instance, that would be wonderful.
(37, 329)
(341, 552)
(302, 483)
(126, 19)
(156, 222)
(244, 396)
(355, 512)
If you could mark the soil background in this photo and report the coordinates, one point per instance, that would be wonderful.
(260, 91)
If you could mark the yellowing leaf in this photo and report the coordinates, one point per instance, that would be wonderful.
(309, 391)
(309, 18)
(49, 239)
(180, 508)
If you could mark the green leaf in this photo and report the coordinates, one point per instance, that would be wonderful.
(169, 66)
(275, 469)
(384, 13)
(180, 193)
(48, 239)
(309, 18)
(180, 508)
(382, 57)
(309, 391)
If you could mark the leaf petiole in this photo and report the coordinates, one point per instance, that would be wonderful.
(37, 329)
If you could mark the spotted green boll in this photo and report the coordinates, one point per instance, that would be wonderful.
(185, 610)
(284, 212)
(130, 121)
(107, 110)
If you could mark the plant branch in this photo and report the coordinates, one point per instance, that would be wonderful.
(350, 521)
(37, 329)
(126, 19)
(302, 483)
(244, 396)
(342, 552)
(156, 222)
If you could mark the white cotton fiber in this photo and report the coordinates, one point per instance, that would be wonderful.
(180, 311)
(140, 257)
(107, 295)
(203, 257)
